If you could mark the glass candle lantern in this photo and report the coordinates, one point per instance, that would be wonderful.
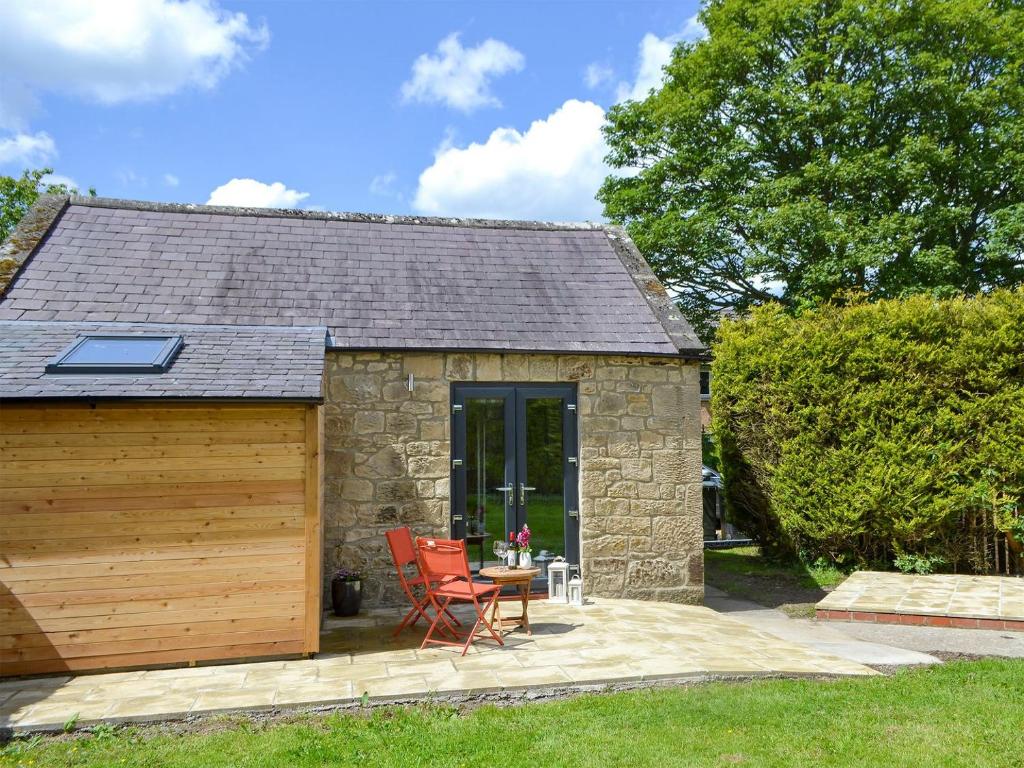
(558, 581)
(576, 590)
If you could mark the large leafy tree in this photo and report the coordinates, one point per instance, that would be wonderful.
(809, 148)
(17, 193)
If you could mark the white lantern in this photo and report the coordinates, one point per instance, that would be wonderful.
(576, 591)
(558, 581)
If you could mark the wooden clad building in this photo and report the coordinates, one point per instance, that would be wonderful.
(143, 526)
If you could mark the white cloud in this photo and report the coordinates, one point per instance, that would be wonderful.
(550, 171)
(126, 177)
(655, 53)
(27, 149)
(597, 74)
(693, 29)
(116, 51)
(460, 77)
(171, 180)
(553, 169)
(249, 193)
(383, 184)
(57, 178)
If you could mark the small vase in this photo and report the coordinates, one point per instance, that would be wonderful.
(346, 597)
(525, 560)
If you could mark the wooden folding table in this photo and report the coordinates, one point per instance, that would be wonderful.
(521, 578)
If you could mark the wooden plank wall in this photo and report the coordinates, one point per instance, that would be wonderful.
(136, 534)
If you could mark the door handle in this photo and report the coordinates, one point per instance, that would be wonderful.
(523, 488)
(509, 491)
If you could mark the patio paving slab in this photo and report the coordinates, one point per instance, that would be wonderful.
(606, 641)
(983, 602)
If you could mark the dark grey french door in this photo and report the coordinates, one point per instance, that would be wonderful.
(514, 461)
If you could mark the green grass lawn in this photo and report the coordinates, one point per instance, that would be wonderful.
(960, 714)
(745, 573)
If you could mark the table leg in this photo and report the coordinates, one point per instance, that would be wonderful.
(524, 591)
(496, 616)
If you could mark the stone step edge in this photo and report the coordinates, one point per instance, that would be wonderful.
(919, 620)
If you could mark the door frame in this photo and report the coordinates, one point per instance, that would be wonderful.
(515, 395)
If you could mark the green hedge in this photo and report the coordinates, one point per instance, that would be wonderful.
(867, 433)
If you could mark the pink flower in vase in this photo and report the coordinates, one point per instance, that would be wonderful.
(523, 539)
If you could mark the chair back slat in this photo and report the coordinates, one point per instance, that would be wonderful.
(443, 557)
(400, 543)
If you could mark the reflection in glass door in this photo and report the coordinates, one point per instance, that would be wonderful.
(514, 462)
(542, 471)
(487, 487)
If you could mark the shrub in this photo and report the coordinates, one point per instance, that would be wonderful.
(871, 431)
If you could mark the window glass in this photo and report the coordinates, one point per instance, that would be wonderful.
(100, 351)
(705, 382)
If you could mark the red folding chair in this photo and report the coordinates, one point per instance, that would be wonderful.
(403, 554)
(439, 558)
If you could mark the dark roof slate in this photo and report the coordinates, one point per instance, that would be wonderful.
(374, 281)
(216, 361)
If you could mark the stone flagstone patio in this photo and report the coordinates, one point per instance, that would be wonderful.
(941, 600)
(605, 642)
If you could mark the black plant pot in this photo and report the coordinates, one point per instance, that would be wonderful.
(346, 597)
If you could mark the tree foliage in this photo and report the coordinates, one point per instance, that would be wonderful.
(862, 433)
(807, 148)
(18, 193)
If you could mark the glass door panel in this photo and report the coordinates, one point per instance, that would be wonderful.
(542, 486)
(486, 488)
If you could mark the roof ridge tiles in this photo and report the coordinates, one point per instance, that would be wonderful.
(345, 216)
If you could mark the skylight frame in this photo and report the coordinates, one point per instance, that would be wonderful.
(160, 363)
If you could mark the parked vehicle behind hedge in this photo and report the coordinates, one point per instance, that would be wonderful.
(872, 432)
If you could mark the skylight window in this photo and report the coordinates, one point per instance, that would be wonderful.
(117, 354)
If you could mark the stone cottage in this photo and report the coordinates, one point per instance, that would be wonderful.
(477, 375)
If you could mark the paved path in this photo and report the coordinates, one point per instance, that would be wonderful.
(992, 600)
(607, 641)
(878, 644)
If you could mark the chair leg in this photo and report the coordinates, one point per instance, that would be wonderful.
(415, 613)
(481, 618)
(409, 620)
(439, 612)
(483, 615)
(452, 617)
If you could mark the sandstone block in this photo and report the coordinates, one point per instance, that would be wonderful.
(428, 466)
(459, 367)
(369, 421)
(654, 572)
(423, 366)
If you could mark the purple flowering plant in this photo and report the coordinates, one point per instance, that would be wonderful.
(523, 539)
(347, 574)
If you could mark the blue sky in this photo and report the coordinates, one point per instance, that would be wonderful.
(442, 108)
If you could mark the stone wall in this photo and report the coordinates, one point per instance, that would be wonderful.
(387, 459)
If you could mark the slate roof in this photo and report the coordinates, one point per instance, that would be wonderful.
(217, 361)
(375, 282)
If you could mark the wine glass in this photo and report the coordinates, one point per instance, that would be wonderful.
(500, 549)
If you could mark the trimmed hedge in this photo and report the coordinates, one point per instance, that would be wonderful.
(865, 433)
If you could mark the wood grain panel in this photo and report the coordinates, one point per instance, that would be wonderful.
(137, 534)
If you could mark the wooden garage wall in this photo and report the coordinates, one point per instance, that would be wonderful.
(136, 534)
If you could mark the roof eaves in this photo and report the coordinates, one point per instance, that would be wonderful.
(27, 236)
(335, 346)
(654, 293)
